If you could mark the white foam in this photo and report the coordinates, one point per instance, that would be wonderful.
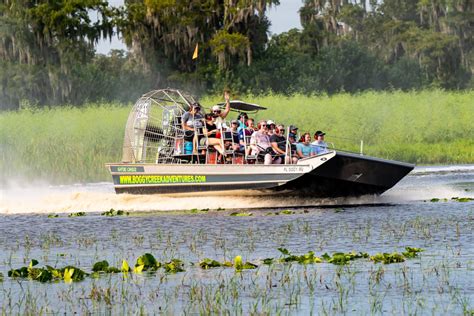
(39, 197)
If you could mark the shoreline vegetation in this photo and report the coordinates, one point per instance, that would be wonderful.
(71, 144)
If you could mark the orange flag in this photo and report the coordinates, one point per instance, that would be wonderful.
(195, 55)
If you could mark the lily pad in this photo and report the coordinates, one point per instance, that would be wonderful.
(113, 212)
(77, 214)
(148, 262)
(241, 214)
(209, 263)
(174, 266)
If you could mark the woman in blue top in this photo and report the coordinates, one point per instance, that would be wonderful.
(304, 148)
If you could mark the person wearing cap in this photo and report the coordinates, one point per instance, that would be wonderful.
(293, 139)
(233, 134)
(319, 145)
(191, 120)
(217, 112)
(271, 127)
(293, 134)
(278, 141)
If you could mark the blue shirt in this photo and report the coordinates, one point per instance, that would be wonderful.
(306, 150)
(319, 148)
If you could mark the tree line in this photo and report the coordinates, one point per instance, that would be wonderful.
(47, 48)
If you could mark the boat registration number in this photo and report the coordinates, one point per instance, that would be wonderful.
(293, 169)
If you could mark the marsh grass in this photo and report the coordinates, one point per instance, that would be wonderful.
(71, 144)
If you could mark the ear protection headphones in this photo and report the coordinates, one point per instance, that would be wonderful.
(260, 124)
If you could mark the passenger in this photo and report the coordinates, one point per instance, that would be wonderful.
(191, 120)
(293, 135)
(220, 115)
(292, 138)
(243, 117)
(278, 141)
(319, 145)
(260, 144)
(234, 134)
(245, 134)
(211, 131)
(271, 127)
(304, 148)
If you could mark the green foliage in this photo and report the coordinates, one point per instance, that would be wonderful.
(103, 266)
(77, 214)
(48, 48)
(241, 214)
(239, 265)
(387, 258)
(288, 257)
(48, 273)
(147, 262)
(113, 212)
(174, 266)
(209, 263)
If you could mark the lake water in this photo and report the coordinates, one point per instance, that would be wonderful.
(439, 281)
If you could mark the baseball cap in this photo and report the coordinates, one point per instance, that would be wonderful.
(270, 122)
(292, 127)
(216, 108)
(319, 133)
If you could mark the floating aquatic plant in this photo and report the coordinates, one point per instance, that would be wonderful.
(288, 257)
(53, 215)
(463, 199)
(209, 263)
(411, 252)
(113, 212)
(174, 266)
(48, 273)
(196, 210)
(77, 214)
(288, 212)
(387, 258)
(146, 262)
(239, 265)
(125, 266)
(241, 214)
(341, 258)
(103, 266)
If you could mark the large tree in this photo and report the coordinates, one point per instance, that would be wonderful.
(163, 34)
(41, 41)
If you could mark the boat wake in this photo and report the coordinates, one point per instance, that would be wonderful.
(423, 184)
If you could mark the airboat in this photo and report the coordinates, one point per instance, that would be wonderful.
(155, 160)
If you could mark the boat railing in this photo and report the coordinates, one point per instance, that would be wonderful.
(359, 142)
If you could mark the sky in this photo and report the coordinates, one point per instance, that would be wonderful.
(283, 17)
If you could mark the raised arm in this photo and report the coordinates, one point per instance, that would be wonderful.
(227, 104)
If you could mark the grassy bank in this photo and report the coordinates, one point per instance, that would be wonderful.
(70, 144)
